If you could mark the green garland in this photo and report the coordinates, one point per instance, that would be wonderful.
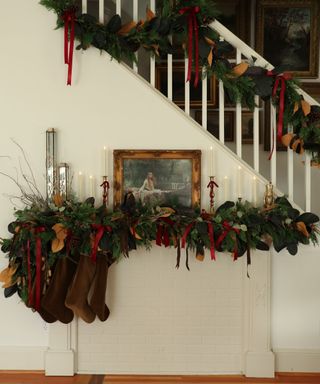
(153, 35)
(71, 228)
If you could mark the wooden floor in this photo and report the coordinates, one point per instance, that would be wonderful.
(9, 377)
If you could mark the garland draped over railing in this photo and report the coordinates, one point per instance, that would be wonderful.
(187, 21)
(73, 236)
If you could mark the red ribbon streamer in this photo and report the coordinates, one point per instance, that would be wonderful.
(30, 296)
(38, 230)
(211, 238)
(163, 233)
(185, 235)
(69, 17)
(192, 27)
(279, 80)
(100, 231)
(227, 228)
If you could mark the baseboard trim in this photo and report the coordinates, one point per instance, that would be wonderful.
(22, 358)
(291, 360)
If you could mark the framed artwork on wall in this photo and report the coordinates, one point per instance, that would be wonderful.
(267, 131)
(156, 177)
(213, 123)
(313, 89)
(288, 35)
(178, 86)
(247, 127)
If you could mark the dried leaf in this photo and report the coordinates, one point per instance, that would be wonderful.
(134, 233)
(150, 14)
(166, 211)
(126, 28)
(240, 69)
(296, 107)
(210, 57)
(210, 42)
(58, 200)
(301, 227)
(57, 245)
(306, 107)
(199, 256)
(286, 139)
(61, 231)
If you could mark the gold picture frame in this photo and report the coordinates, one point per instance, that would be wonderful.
(178, 86)
(158, 177)
(288, 35)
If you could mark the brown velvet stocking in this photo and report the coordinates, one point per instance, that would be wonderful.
(77, 297)
(97, 302)
(55, 296)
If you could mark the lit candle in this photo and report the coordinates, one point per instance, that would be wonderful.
(80, 185)
(105, 160)
(211, 165)
(226, 188)
(254, 191)
(91, 186)
(239, 181)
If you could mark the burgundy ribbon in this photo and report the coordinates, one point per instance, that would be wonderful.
(163, 233)
(38, 230)
(227, 228)
(69, 17)
(185, 235)
(211, 238)
(280, 80)
(192, 27)
(101, 229)
(30, 296)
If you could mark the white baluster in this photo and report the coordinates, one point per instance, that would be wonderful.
(135, 18)
(308, 181)
(101, 11)
(273, 144)
(186, 88)
(221, 112)
(239, 118)
(152, 58)
(169, 76)
(204, 99)
(256, 139)
(118, 7)
(84, 6)
(290, 170)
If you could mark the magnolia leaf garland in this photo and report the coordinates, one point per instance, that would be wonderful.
(40, 238)
(242, 82)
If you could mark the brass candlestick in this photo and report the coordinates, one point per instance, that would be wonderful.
(269, 196)
(105, 187)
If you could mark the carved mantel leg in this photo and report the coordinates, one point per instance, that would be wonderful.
(258, 357)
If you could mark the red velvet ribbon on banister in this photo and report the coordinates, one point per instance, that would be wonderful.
(101, 229)
(192, 27)
(227, 228)
(280, 80)
(69, 17)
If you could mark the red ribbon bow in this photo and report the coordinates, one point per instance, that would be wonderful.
(227, 228)
(101, 229)
(192, 27)
(69, 17)
(163, 233)
(38, 230)
(280, 80)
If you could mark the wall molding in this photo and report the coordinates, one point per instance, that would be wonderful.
(22, 358)
(297, 360)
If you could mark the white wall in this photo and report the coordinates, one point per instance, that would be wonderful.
(105, 105)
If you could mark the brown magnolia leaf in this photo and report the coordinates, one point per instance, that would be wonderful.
(156, 49)
(135, 234)
(8, 272)
(61, 231)
(150, 14)
(210, 57)
(306, 107)
(57, 245)
(296, 107)
(199, 256)
(210, 42)
(17, 229)
(240, 69)
(301, 227)
(166, 211)
(286, 139)
(126, 28)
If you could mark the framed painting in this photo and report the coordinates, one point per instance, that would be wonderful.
(288, 35)
(178, 86)
(247, 127)
(213, 123)
(156, 177)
